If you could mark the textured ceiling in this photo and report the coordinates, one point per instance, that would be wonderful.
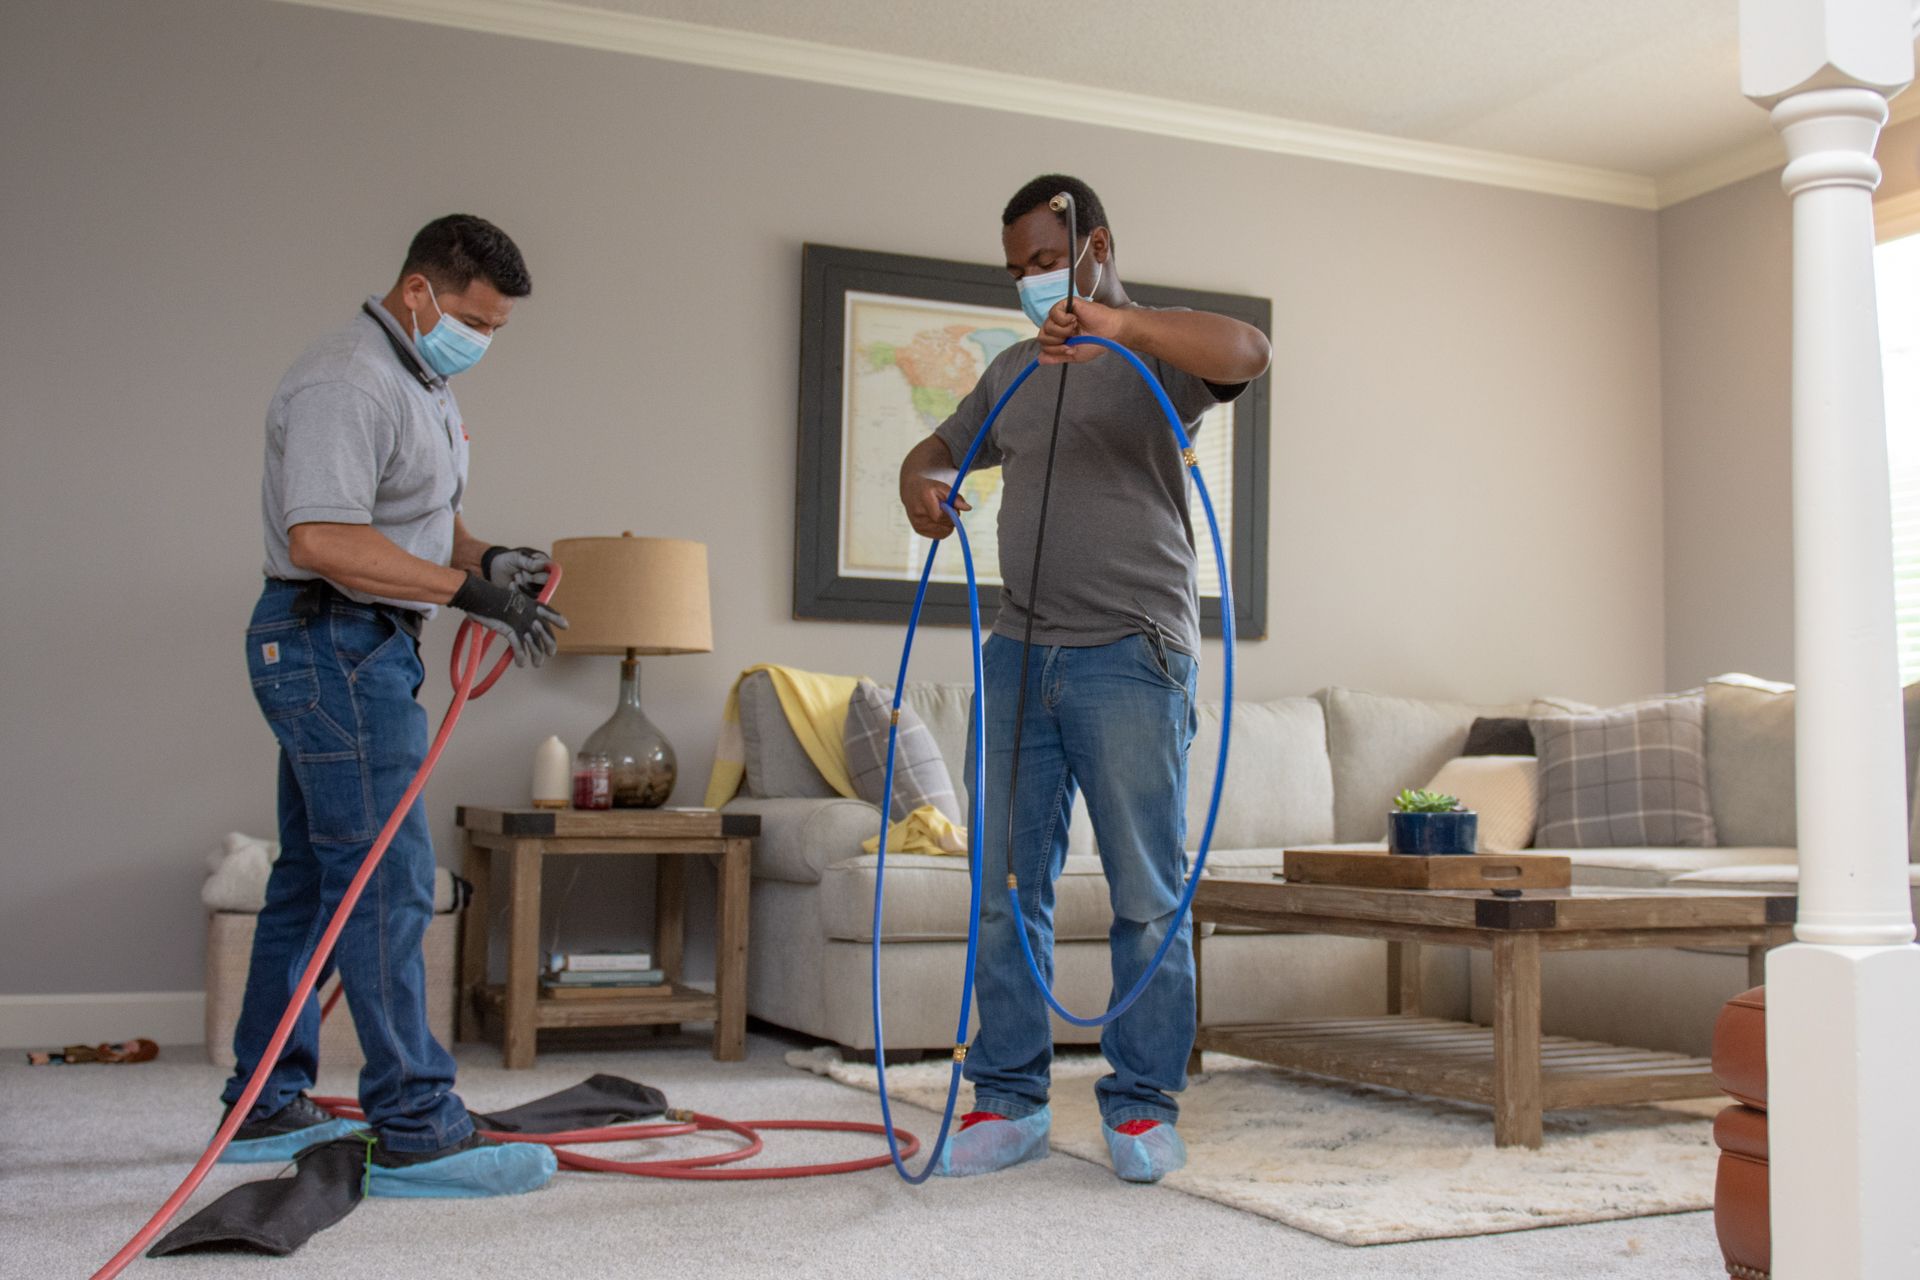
(1648, 87)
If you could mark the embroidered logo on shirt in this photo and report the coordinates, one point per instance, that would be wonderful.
(270, 652)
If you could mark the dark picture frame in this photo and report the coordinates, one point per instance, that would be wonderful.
(820, 591)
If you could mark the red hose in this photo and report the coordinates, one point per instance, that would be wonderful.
(680, 1124)
(464, 666)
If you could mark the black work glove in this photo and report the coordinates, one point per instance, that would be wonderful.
(524, 568)
(525, 623)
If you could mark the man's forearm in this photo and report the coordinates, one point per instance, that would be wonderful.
(361, 558)
(467, 549)
(1214, 347)
(928, 460)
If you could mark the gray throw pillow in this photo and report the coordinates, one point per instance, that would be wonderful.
(1632, 776)
(920, 775)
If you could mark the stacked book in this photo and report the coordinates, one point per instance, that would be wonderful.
(582, 975)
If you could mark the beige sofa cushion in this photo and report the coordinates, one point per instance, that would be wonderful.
(1503, 790)
(1652, 868)
(1279, 779)
(1750, 760)
(1772, 878)
(1379, 745)
(927, 899)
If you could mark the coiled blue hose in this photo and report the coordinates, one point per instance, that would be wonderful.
(977, 801)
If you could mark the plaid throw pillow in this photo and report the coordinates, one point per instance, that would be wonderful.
(1630, 776)
(920, 775)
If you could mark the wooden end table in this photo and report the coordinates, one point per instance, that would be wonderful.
(521, 839)
(1509, 1065)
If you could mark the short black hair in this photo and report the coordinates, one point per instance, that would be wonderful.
(1088, 212)
(454, 250)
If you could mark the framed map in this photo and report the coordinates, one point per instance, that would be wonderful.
(889, 346)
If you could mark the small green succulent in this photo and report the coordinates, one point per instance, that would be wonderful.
(1425, 802)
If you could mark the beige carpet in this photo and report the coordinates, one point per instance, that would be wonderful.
(1360, 1165)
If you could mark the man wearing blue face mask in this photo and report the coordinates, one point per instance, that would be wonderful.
(366, 469)
(1110, 683)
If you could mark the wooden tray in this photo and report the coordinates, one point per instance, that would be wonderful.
(1378, 869)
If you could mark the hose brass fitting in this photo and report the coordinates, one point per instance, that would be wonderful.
(1191, 456)
(959, 1053)
(677, 1115)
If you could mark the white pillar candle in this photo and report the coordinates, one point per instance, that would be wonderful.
(552, 778)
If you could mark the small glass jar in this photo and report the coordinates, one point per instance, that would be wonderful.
(592, 781)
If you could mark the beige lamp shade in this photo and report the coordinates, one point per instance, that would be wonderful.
(644, 594)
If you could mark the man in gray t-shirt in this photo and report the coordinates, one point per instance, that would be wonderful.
(1108, 687)
(365, 472)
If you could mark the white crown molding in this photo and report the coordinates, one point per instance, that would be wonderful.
(1722, 170)
(558, 22)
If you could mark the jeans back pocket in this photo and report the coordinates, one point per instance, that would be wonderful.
(280, 663)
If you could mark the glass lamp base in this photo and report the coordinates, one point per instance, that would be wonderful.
(640, 761)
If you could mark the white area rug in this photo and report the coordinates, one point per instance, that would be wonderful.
(1361, 1165)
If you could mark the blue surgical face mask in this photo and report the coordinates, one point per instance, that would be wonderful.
(449, 347)
(1040, 294)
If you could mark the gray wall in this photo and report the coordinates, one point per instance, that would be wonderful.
(1726, 329)
(1726, 312)
(1466, 482)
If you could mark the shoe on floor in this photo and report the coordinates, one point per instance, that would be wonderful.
(283, 1135)
(1148, 1153)
(466, 1170)
(988, 1142)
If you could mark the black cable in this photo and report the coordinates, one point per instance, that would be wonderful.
(1033, 590)
(1040, 535)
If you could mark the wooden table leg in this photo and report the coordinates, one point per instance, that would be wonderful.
(730, 953)
(669, 923)
(1516, 1040)
(523, 955)
(1403, 978)
(1757, 964)
(477, 868)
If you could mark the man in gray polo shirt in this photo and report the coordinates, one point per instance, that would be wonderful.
(366, 468)
(1109, 690)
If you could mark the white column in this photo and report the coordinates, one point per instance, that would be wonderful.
(1843, 1001)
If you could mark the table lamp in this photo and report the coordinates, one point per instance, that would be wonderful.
(630, 596)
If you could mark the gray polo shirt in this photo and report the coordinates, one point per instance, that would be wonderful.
(361, 431)
(1119, 550)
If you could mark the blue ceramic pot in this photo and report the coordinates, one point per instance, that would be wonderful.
(1428, 834)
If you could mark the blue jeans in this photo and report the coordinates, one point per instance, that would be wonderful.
(1114, 721)
(337, 686)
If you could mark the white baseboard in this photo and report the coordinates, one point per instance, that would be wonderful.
(51, 1021)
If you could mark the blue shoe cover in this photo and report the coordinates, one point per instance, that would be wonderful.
(496, 1169)
(1147, 1157)
(282, 1147)
(995, 1144)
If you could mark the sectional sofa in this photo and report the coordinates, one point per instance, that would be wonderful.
(1313, 770)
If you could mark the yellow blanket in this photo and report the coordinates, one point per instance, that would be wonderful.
(925, 830)
(816, 707)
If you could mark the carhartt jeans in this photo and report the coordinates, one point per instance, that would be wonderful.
(1115, 722)
(337, 684)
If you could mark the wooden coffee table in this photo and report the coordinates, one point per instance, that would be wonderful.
(1509, 1065)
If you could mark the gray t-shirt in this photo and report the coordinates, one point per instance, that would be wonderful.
(1119, 555)
(361, 431)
